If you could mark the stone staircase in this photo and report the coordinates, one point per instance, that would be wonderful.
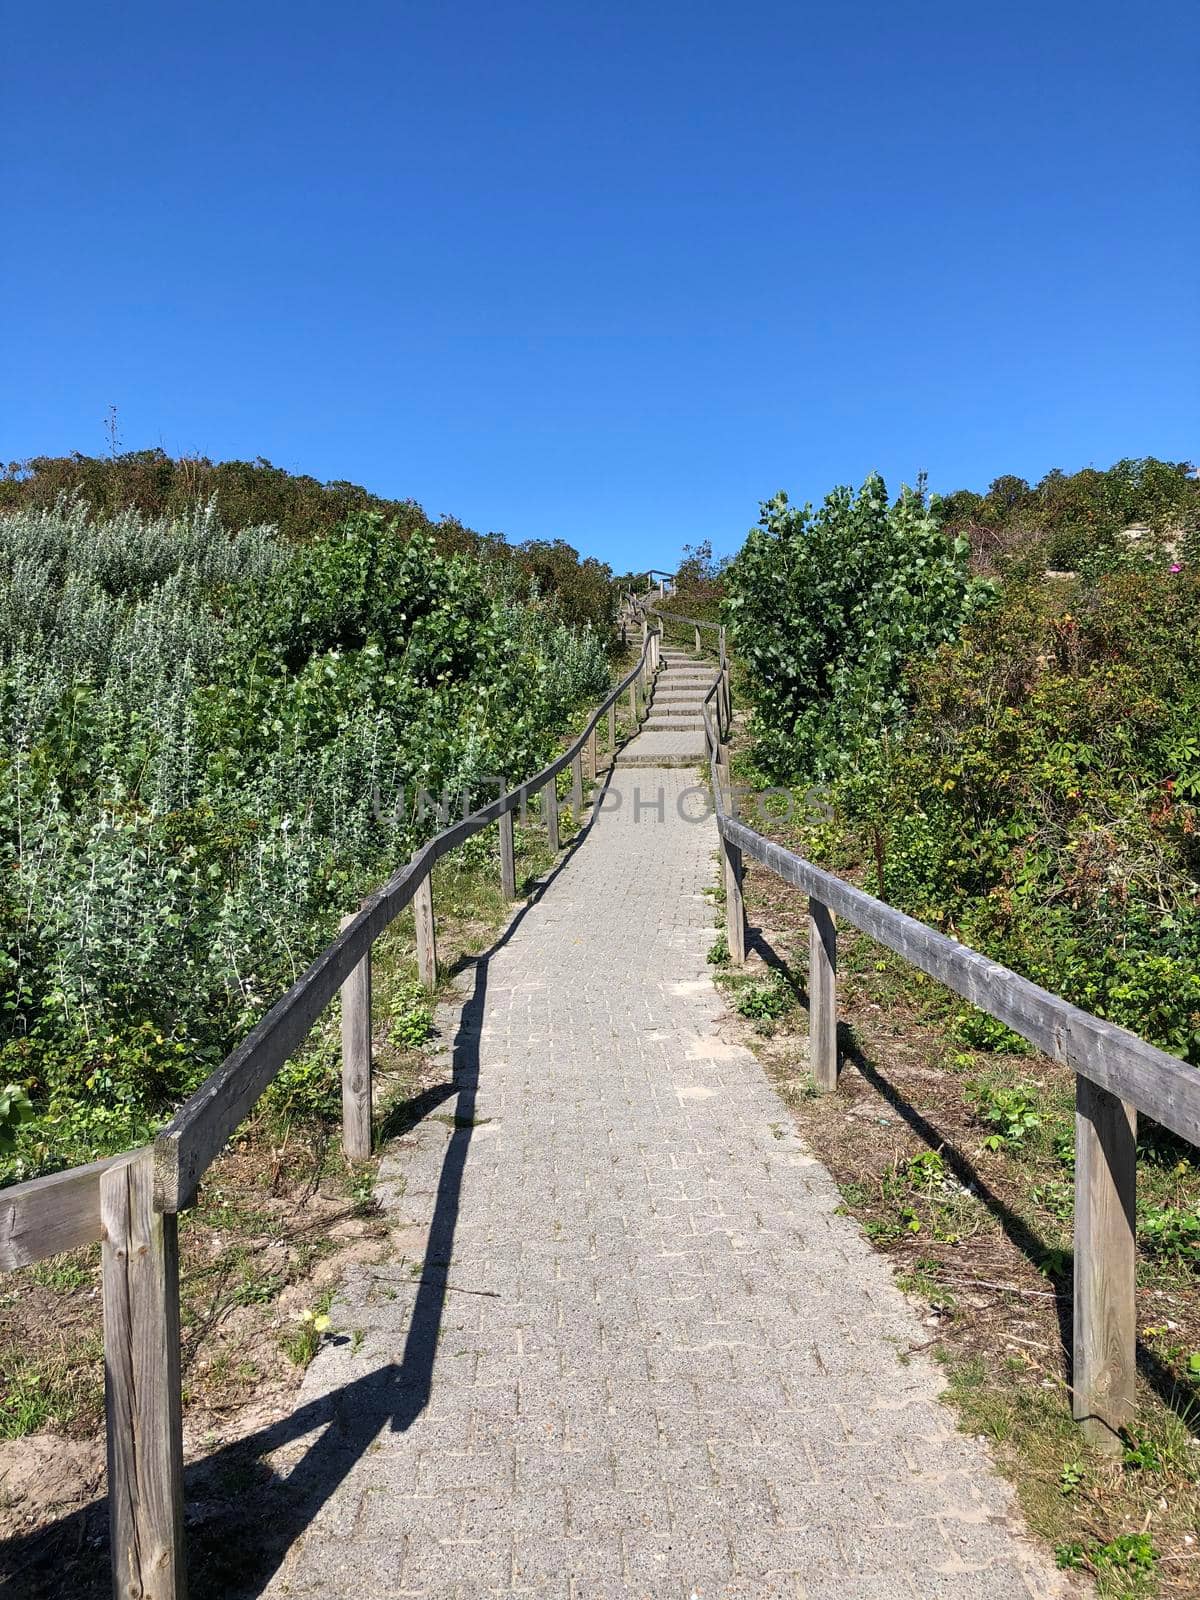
(673, 733)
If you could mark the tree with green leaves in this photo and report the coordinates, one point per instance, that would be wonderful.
(827, 608)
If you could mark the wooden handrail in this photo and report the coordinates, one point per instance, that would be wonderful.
(1117, 1074)
(1157, 1083)
(692, 622)
(46, 1216)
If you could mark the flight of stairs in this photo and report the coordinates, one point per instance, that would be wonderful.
(673, 732)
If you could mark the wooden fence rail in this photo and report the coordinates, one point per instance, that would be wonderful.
(1117, 1075)
(130, 1202)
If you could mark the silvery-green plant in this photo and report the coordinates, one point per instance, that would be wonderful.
(195, 725)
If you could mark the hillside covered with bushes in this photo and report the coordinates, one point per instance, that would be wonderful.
(301, 509)
(1002, 693)
(206, 729)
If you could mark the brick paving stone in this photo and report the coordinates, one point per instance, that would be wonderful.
(625, 1345)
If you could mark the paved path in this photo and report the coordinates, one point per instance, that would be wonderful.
(625, 1346)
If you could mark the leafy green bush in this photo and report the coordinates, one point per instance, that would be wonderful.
(1076, 521)
(15, 1108)
(254, 493)
(210, 744)
(1169, 1231)
(411, 1016)
(1028, 779)
(764, 1000)
(1042, 801)
(826, 611)
(1011, 1112)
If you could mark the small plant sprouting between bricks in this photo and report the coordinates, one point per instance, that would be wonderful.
(718, 950)
(363, 1196)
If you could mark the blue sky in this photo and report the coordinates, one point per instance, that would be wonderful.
(612, 273)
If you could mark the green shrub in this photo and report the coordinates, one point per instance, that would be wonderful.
(1039, 802)
(764, 1001)
(1169, 1232)
(210, 747)
(827, 609)
(1012, 1113)
(411, 1015)
(15, 1108)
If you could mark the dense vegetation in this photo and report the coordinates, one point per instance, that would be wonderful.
(826, 609)
(197, 726)
(1015, 758)
(301, 509)
(1079, 520)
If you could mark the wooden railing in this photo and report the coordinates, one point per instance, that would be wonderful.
(697, 627)
(1116, 1076)
(130, 1202)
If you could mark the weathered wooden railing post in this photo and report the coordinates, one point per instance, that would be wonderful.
(143, 1407)
(577, 788)
(508, 860)
(822, 995)
(697, 638)
(426, 932)
(550, 806)
(593, 750)
(731, 864)
(633, 705)
(356, 1059)
(612, 731)
(1105, 1327)
(735, 906)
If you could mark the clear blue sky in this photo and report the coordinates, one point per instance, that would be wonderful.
(611, 272)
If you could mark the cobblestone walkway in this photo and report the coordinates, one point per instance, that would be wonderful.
(624, 1345)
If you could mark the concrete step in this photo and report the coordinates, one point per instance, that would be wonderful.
(660, 749)
(644, 758)
(674, 724)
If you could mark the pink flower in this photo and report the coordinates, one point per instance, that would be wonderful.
(1175, 567)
